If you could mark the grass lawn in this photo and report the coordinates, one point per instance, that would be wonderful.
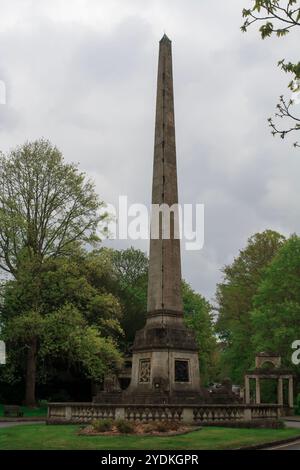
(41, 436)
(29, 412)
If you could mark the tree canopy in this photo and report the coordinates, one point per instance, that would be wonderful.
(276, 311)
(199, 317)
(131, 270)
(235, 301)
(48, 209)
(74, 323)
(46, 205)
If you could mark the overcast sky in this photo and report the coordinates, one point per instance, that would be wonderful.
(83, 74)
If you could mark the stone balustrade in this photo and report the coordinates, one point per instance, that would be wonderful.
(192, 414)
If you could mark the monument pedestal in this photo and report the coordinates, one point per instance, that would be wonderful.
(165, 366)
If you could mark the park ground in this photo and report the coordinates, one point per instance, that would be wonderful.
(58, 437)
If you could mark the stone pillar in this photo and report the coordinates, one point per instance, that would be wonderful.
(188, 416)
(247, 414)
(164, 279)
(120, 413)
(68, 413)
(280, 391)
(257, 391)
(247, 389)
(291, 392)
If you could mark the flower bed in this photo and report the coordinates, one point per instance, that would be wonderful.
(120, 427)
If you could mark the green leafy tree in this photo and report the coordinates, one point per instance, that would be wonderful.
(131, 271)
(73, 294)
(276, 313)
(199, 317)
(235, 301)
(47, 207)
(279, 17)
(63, 335)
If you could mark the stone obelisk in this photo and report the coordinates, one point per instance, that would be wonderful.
(165, 366)
(164, 286)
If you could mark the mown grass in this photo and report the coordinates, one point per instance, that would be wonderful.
(56, 437)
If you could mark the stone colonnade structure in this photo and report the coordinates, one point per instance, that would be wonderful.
(274, 371)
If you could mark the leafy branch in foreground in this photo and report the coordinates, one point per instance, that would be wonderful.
(278, 18)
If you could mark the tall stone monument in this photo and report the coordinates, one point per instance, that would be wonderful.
(165, 366)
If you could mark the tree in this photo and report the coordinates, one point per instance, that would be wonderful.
(46, 208)
(46, 205)
(235, 300)
(75, 307)
(198, 316)
(131, 270)
(276, 312)
(279, 17)
(130, 265)
(62, 335)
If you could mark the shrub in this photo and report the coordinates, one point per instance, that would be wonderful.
(149, 427)
(281, 424)
(161, 426)
(125, 427)
(102, 425)
(174, 425)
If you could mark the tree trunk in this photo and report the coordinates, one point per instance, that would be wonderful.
(31, 373)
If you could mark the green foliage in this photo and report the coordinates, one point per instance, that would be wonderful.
(102, 425)
(268, 391)
(46, 206)
(75, 319)
(48, 209)
(162, 426)
(278, 18)
(235, 301)
(276, 312)
(125, 427)
(280, 12)
(289, 67)
(64, 335)
(130, 268)
(198, 316)
(130, 265)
